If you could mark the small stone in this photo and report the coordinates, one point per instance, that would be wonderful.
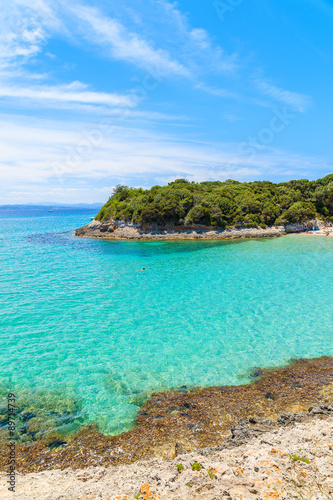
(286, 418)
(179, 449)
(56, 444)
(318, 410)
(27, 416)
(271, 397)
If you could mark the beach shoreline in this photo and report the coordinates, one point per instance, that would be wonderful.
(318, 233)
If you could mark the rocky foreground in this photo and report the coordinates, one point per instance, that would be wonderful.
(180, 420)
(288, 459)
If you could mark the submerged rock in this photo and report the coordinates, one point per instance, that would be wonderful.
(200, 419)
(56, 444)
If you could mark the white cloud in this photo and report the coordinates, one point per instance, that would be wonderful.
(24, 43)
(83, 110)
(124, 45)
(231, 118)
(195, 44)
(28, 24)
(63, 155)
(217, 91)
(25, 28)
(31, 148)
(74, 92)
(297, 101)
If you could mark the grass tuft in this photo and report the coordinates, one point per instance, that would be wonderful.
(296, 458)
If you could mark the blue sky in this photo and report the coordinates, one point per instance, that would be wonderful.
(95, 93)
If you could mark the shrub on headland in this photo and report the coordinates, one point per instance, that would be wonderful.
(299, 212)
(223, 204)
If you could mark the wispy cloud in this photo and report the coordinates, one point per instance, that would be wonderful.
(188, 53)
(217, 91)
(124, 155)
(122, 44)
(74, 92)
(300, 102)
(231, 118)
(25, 27)
(162, 41)
(195, 45)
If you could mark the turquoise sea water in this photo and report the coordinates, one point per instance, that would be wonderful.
(85, 337)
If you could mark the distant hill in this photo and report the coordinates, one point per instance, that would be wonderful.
(223, 204)
(54, 205)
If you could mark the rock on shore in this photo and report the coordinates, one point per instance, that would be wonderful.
(113, 230)
(119, 229)
(288, 459)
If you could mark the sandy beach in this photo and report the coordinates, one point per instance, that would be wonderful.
(327, 233)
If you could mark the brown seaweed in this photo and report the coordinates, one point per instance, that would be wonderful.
(185, 419)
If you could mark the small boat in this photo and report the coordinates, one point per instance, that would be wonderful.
(50, 210)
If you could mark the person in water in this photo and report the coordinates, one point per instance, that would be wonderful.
(143, 269)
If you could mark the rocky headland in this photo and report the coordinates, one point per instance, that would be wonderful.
(213, 210)
(122, 230)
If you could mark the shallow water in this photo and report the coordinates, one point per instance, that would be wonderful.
(86, 338)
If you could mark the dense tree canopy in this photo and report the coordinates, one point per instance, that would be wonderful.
(223, 204)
